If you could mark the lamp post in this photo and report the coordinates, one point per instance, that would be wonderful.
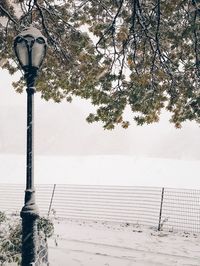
(30, 49)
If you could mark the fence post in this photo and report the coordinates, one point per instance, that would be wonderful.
(54, 187)
(161, 206)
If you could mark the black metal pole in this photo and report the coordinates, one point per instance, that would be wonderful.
(54, 187)
(161, 207)
(29, 212)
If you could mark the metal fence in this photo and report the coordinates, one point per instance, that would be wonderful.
(163, 208)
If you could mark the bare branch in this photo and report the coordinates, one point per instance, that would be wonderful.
(9, 16)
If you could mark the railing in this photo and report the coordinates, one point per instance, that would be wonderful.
(162, 208)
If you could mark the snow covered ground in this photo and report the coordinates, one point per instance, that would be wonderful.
(84, 243)
(103, 170)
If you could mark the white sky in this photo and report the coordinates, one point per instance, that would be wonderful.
(62, 132)
(61, 129)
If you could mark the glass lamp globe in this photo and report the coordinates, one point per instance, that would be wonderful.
(30, 48)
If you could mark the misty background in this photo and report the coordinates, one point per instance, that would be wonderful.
(61, 129)
(68, 149)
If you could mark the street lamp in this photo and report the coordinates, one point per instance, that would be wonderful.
(30, 49)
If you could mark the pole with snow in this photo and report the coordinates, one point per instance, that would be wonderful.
(30, 49)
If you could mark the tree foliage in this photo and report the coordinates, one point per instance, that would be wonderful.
(117, 53)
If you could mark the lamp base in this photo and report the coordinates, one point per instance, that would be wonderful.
(29, 215)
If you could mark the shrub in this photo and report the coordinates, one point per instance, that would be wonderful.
(10, 239)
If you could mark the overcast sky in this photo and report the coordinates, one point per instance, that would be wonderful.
(61, 129)
(66, 146)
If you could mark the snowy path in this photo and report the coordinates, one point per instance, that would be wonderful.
(105, 244)
(85, 253)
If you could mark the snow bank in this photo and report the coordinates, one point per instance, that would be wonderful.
(103, 170)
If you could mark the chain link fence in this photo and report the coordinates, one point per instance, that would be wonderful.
(162, 208)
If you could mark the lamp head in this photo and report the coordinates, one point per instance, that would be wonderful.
(30, 49)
